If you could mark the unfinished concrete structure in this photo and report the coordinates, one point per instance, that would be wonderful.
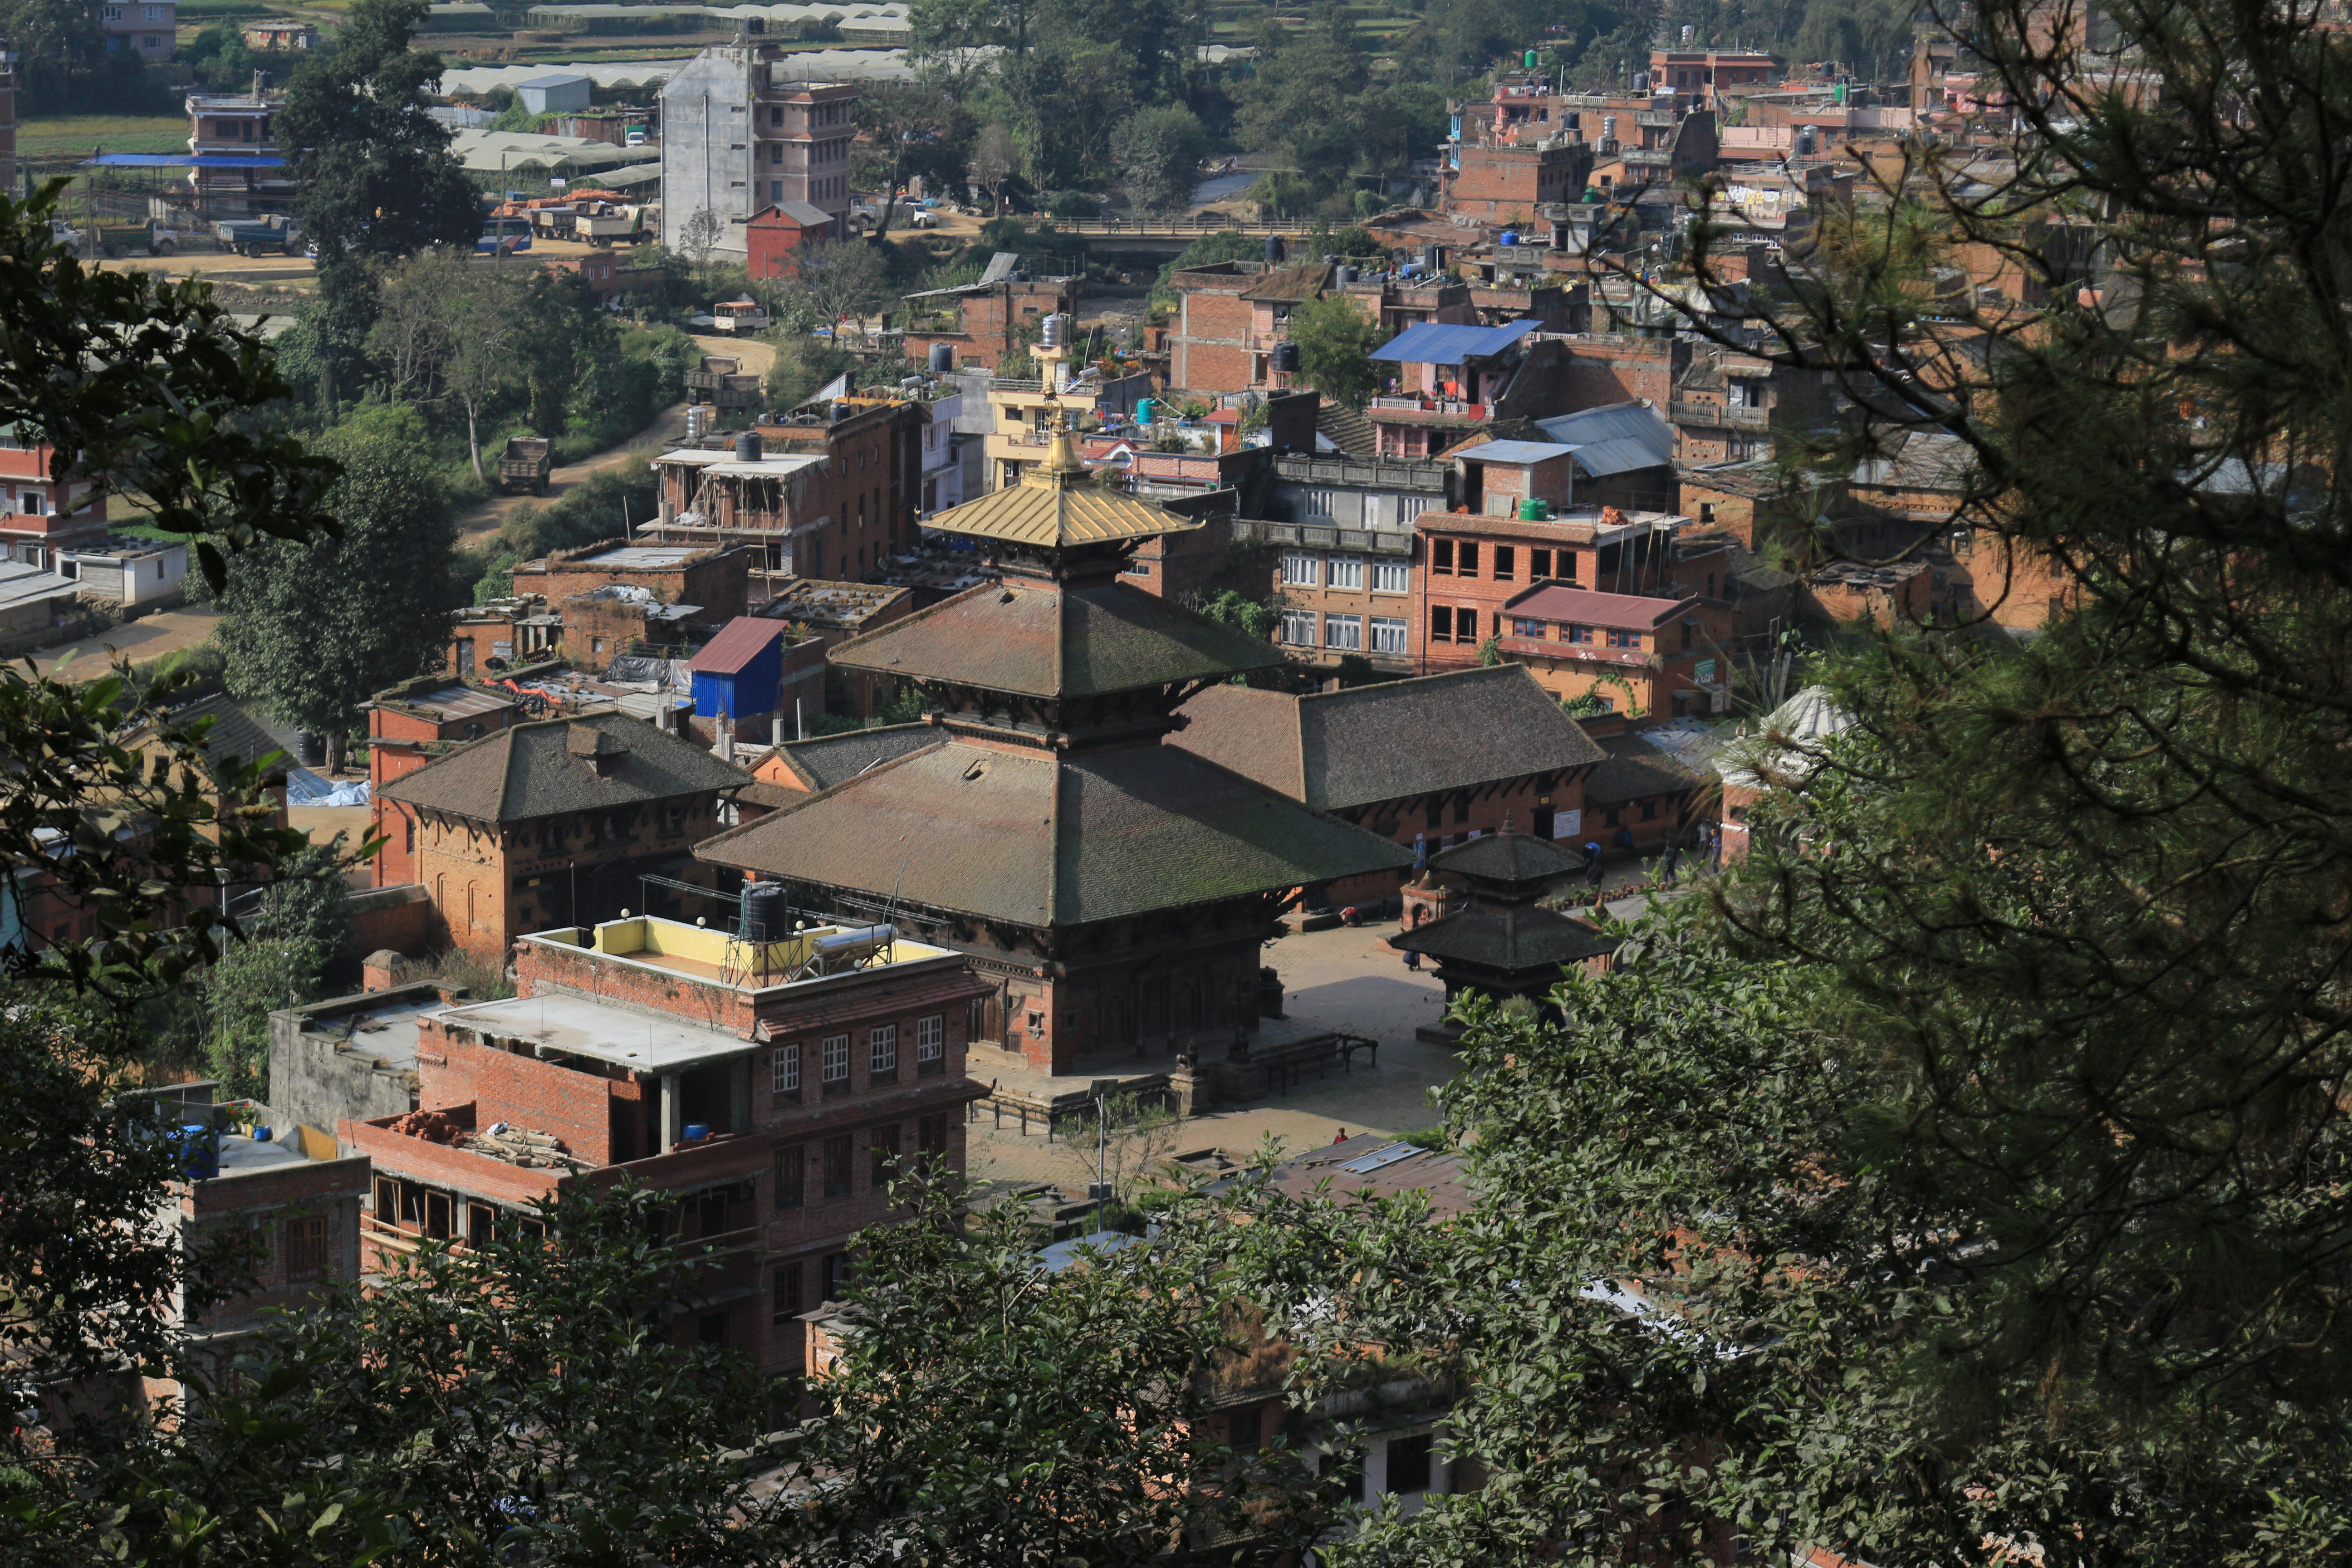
(740, 136)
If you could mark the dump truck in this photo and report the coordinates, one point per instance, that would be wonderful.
(260, 235)
(721, 382)
(524, 465)
(615, 225)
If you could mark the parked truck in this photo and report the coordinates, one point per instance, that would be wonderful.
(260, 237)
(525, 465)
(612, 225)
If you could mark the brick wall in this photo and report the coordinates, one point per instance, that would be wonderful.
(1502, 185)
(1609, 369)
(505, 1086)
(1209, 350)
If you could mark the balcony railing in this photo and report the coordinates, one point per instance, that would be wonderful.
(1720, 413)
(1432, 406)
(1328, 536)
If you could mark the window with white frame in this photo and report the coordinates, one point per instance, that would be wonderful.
(1388, 635)
(1344, 571)
(1392, 577)
(1409, 507)
(882, 1051)
(836, 1061)
(1300, 570)
(931, 1043)
(1345, 633)
(1298, 628)
(784, 1072)
(1322, 503)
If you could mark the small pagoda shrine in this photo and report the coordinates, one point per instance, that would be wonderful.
(1115, 888)
(1504, 943)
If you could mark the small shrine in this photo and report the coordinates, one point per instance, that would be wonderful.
(1504, 942)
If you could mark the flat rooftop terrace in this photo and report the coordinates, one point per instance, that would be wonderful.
(714, 956)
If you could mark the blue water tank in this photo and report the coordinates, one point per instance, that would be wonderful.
(696, 1131)
(1510, 236)
(198, 1147)
(1143, 407)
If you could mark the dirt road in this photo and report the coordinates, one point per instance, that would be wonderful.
(670, 427)
(149, 636)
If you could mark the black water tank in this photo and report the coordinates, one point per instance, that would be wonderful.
(1347, 274)
(763, 911)
(1273, 249)
(838, 412)
(942, 358)
(1286, 358)
(311, 748)
(747, 447)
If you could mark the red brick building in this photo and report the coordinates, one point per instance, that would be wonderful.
(618, 597)
(992, 320)
(828, 493)
(1427, 762)
(1656, 656)
(1504, 183)
(775, 1082)
(41, 516)
(774, 238)
(542, 823)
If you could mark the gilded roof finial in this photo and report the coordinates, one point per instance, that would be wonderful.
(1062, 467)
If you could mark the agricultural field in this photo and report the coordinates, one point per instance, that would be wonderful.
(76, 134)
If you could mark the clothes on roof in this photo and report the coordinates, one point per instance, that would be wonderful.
(1037, 840)
(1336, 750)
(558, 766)
(1441, 342)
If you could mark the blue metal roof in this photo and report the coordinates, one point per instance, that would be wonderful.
(1440, 342)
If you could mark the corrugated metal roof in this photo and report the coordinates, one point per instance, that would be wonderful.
(1515, 452)
(738, 642)
(1440, 342)
(1615, 438)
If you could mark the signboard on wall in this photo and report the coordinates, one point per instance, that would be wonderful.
(1567, 824)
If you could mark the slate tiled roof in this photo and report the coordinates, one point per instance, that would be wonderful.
(1040, 639)
(532, 771)
(1507, 858)
(1036, 841)
(1516, 938)
(1349, 430)
(1635, 770)
(1340, 749)
(826, 760)
(1291, 285)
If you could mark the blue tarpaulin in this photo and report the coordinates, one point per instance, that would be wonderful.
(182, 161)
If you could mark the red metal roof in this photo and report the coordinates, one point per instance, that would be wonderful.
(738, 642)
(1586, 608)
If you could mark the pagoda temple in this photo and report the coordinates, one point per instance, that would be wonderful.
(1117, 889)
(1504, 943)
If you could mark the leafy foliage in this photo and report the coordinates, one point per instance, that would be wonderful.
(1336, 340)
(1157, 150)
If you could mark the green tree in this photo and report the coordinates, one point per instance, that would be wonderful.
(311, 633)
(373, 171)
(1336, 340)
(297, 941)
(1159, 154)
(524, 1398)
(982, 1409)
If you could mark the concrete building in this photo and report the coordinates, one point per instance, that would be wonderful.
(239, 173)
(43, 516)
(143, 27)
(134, 575)
(554, 92)
(548, 821)
(617, 598)
(1658, 657)
(740, 136)
(280, 34)
(773, 1081)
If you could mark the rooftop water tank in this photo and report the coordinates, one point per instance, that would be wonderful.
(942, 358)
(1510, 236)
(1535, 510)
(747, 447)
(838, 412)
(1347, 274)
(1286, 358)
(1143, 407)
(1273, 249)
(1057, 331)
(763, 911)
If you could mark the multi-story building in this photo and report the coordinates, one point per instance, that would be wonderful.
(740, 136)
(993, 318)
(1455, 381)
(239, 172)
(1703, 74)
(285, 1191)
(1504, 181)
(1660, 658)
(1346, 568)
(616, 597)
(43, 516)
(143, 27)
(829, 491)
(549, 821)
(773, 1079)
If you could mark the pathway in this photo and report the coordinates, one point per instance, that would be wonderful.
(478, 523)
(149, 637)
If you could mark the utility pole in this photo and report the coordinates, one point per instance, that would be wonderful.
(1100, 1192)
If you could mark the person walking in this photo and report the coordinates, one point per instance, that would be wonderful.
(1672, 858)
(1592, 869)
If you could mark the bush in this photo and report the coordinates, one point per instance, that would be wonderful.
(1074, 204)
